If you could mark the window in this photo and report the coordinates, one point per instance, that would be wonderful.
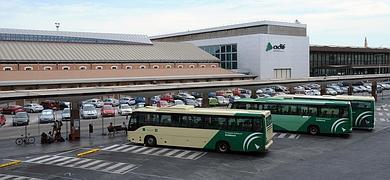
(156, 67)
(28, 68)
(227, 53)
(202, 66)
(213, 66)
(65, 68)
(99, 67)
(7, 69)
(192, 66)
(142, 67)
(129, 67)
(83, 67)
(282, 73)
(180, 66)
(114, 67)
(168, 66)
(47, 68)
(244, 124)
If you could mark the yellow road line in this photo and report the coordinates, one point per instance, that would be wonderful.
(88, 152)
(16, 162)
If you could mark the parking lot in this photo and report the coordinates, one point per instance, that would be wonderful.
(363, 154)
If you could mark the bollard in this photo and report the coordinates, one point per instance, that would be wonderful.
(90, 128)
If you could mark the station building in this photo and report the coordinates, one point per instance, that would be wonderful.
(267, 49)
(54, 59)
(339, 60)
(278, 50)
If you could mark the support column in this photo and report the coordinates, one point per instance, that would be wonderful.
(74, 121)
(350, 89)
(253, 94)
(205, 99)
(373, 90)
(323, 89)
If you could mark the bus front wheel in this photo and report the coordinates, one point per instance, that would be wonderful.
(150, 141)
(313, 130)
(223, 147)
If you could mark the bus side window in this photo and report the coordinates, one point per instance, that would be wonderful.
(343, 112)
(312, 111)
(165, 119)
(185, 121)
(257, 124)
(197, 121)
(141, 119)
(244, 124)
(232, 125)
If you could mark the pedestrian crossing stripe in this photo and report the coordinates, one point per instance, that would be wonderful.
(286, 136)
(83, 163)
(166, 152)
(15, 177)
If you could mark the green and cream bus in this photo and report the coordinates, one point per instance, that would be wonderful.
(363, 108)
(206, 128)
(300, 115)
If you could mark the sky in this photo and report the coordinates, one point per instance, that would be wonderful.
(329, 22)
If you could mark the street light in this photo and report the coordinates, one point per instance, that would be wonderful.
(57, 25)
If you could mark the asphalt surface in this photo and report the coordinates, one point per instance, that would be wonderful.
(363, 155)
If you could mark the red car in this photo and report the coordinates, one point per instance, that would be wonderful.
(2, 120)
(167, 98)
(12, 109)
(108, 111)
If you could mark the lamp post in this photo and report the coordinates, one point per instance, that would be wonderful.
(57, 25)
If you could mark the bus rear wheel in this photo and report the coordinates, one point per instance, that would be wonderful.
(313, 130)
(223, 147)
(150, 141)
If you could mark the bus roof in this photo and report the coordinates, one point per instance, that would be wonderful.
(329, 97)
(294, 101)
(184, 109)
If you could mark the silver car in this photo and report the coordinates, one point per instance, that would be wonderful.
(20, 118)
(96, 102)
(33, 108)
(47, 116)
(125, 109)
(88, 111)
(65, 114)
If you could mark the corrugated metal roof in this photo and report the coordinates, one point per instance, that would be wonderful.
(131, 38)
(235, 26)
(29, 52)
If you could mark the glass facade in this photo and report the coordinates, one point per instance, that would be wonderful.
(227, 53)
(47, 38)
(348, 63)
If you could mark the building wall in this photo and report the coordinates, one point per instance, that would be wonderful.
(253, 57)
(107, 66)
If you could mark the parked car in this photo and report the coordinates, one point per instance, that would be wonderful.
(111, 101)
(356, 89)
(12, 109)
(2, 120)
(279, 88)
(178, 102)
(108, 111)
(385, 86)
(213, 101)
(312, 92)
(167, 98)
(263, 95)
(33, 108)
(47, 116)
(124, 110)
(65, 114)
(52, 104)
(162, 103)
(140, 99)
(190, 101)
(186, 96)
(212, 94)
(233, 98)
(222, 100)
(331, 91)
(96, 102)
(155, 99)
(268, 91)
(21, 118)
(337, 89)
(88, 111)
(127, 100)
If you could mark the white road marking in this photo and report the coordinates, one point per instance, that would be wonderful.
(172, 152)
(139, 150)
(81, 163)
(182, 154)
(110, 147)
(15, 177)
